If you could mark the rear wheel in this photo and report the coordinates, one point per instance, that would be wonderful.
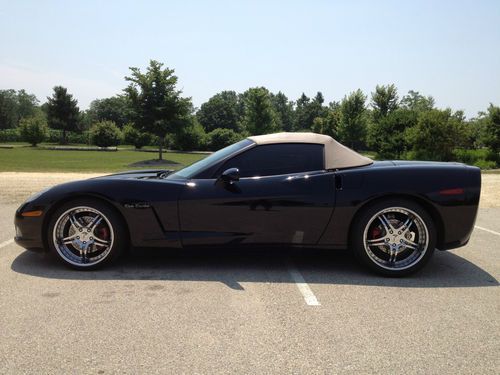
(86, 234)
(394, 237)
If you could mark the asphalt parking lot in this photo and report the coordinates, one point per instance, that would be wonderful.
(251, 312)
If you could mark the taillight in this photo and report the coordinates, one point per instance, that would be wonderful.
(455, 191)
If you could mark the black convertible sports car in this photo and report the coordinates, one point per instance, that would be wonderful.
(292, 189)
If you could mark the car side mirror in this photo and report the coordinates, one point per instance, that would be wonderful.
(230, 175)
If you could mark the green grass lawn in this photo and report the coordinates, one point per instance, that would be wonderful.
(30, 159)
(23, 158)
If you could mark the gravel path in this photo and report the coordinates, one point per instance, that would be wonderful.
(15, 187)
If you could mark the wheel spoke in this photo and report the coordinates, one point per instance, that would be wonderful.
(94, 223)
(68, 240)
(410, 244)
(386, 224)
(75, 223)
(376, 242)
(392, 256)
(100, 242)
(406, 226)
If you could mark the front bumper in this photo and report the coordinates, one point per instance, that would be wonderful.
(28, 230)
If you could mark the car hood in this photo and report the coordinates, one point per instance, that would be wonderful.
(144, 174)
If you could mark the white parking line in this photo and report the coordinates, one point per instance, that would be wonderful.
(6, 243)
(303, 287)
(488, 230)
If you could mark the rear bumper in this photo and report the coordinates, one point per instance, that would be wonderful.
(459, 216)
(458, 226)
(453, 245)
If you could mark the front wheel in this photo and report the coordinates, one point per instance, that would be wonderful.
(86, 234)
(394, 237)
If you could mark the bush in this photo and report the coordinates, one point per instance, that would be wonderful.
(493, 156)
(54, 136)
(193, 137)
(33, 129)
(220, 138)
(9, 135)
(132, 136)
(470, 156)
(71, 137)
(480, 158)
(105, 134)
(485, 164)
(82, 138)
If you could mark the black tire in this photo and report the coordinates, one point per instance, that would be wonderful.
(111, 221)
(374, 256)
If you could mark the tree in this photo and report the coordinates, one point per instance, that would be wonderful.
(435, 135)
(329, 124)
(386, 131)
(416, 102)
(307, 110)
(316, 108)
(492, 139)
(220, 111)
(27, 104)
(220, 138)
(8, 109)
(475, 132)
(132, 136)
(387, 135)
(352, 128)
(260, 117)
(62, 112)
(157, 105)
(284, 111)
(14, 106)
(115, 108)
(34, 129)
(384, 100)
(105, 134)
(301, 112)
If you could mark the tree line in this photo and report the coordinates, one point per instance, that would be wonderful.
(153, 111)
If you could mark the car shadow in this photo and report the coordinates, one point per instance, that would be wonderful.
(233, 267)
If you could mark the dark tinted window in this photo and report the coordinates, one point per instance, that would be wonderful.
(268, 160)
(213, 159)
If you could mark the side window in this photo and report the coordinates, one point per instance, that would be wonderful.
(276, 159)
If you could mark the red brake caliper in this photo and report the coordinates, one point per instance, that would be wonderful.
(376, 232)
(104, 233)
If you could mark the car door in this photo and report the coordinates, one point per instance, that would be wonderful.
(283, 196)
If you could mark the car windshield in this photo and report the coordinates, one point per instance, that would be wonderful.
(214, 158)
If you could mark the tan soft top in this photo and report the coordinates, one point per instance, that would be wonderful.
(337, 156)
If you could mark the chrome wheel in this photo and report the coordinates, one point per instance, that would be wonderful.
(396, 238)
(83, 236)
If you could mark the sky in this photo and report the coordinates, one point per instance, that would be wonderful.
(447, 49)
